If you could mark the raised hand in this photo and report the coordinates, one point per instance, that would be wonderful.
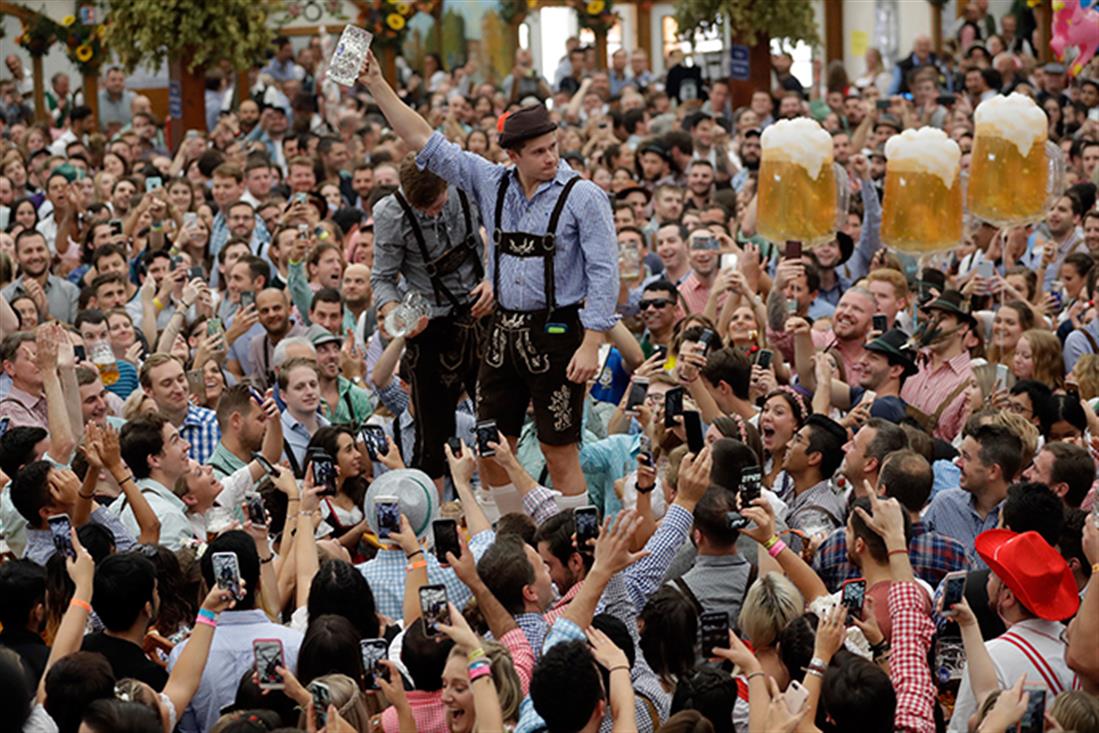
(612, 548)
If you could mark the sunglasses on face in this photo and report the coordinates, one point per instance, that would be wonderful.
(657, 303)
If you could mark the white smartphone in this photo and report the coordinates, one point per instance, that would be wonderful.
(795, 696)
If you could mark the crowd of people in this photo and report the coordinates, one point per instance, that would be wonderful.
(442, 404)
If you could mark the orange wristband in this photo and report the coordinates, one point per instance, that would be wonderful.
(416, 565)
(81, 604)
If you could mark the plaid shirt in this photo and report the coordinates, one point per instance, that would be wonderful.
(200, 429)
(428, 711)
(534, 626)
(908, 668)
(385, 574)
(932, 555)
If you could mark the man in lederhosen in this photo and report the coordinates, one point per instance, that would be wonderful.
(429, 233)
(554, 268)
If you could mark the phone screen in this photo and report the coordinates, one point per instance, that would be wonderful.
(692, 424)
(953, 590)
(707, 339)
(639, 387)
(268, 657)
(196, 382)
(763, 361)
(227, 572)
(879, 322)
(714, 629)
(455, 446)
(673, 406)
(322, 698)
(373, 437)
(587, 527)
(61, 532)
(854, 593)
(247, 298)
(257, 515)
(388, 513)
(324, 471)
(433, 607)
(751, 478)
(197, 273)
(446, 539)
(373, 651)
(486, 433)
(1034, 718)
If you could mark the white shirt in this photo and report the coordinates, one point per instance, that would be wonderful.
(1011, 654)
(175, 527)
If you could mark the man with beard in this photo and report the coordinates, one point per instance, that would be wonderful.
(813, 455)
(358, 300)
(342, 402)
(700, 184)
(245, 429)
(937, 392)
(850, 324)
(750, 152)
(52, 295)
(273, 308)
(667, 208)
(655, 164)
(1058, 237)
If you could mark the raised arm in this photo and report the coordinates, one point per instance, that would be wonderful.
(103, 447)
(461, 471)
(612, 555)
(762, 530)
(62, 440)
(71, 631)
(499, 621)
(387, 363)
(405, 121)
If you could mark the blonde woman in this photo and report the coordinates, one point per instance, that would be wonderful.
(1037, 355)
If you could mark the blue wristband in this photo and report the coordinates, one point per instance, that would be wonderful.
(207, 613)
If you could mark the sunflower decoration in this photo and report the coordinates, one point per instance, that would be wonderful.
(39, 33)
(596, 15)
(83, 43)
(388, 19)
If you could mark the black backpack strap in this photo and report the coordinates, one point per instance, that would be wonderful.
(471, 235)
(497, 232)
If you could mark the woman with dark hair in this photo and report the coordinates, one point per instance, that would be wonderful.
(669, 632)
(330, 646)
(177, 606)
(23, 215)
(342, 511)
(784, 411)
(1063, 418)
(338, 589)
(116, 716)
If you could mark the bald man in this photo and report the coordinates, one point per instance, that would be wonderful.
(273, 308)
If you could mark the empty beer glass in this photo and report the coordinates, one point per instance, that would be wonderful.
(1015, 171)
(403, 319)
(922, 211)
(802, 193)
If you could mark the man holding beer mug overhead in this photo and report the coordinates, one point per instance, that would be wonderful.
(553, 264)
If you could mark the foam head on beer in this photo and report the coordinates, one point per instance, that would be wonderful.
(801, 141)
(927, 149)
(1015, 118)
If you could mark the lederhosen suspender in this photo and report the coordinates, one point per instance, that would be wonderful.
(524, 244)
(450, 260)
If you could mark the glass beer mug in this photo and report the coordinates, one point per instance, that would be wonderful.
(402, 320)
(802, 193)
(1015, 172)
(922, 211)
(103, 357)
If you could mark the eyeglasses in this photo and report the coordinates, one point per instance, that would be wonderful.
(655, 303)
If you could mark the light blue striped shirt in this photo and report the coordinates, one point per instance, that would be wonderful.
(586, 261)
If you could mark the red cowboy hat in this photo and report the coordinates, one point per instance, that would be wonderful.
(1035, 572)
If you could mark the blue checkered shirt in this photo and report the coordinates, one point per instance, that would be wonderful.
(535, 628)
(200, 429)
(932, 555)
(385, 574)
(953, 513)
(586, 260)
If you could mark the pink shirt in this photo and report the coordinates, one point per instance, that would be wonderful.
(695, 294)
(928, 388)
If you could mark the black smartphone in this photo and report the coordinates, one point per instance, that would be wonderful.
(176, 262)
(946, 100)
(80, 353)
(953, 590)
(116, 226)
(5, 423)
(269, 468)
(247, 298)
(61, 532)
(268, 656)
(446, 539)
(433, 607)
(1034, 719)
(882, 104)
(763, 359)
(373, 651)
(455, 446)
(707, 338)
(751, 481)
(387, 511)
(257, 514)
(227, 573)
(713, 627)
(692, 424)
(587, 527)
(639, 387)
(645, 449)
(324, 470)
(673, 406)
(486, 433)
(322, 698)
(793, 250)
(373, 437)
(853, 595)
(879, 323)
(661, 351)
(196, 272)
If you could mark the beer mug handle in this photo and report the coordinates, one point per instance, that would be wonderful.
(843, 195)
(1055, 179)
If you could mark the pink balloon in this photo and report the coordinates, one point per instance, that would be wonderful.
(1076, 30)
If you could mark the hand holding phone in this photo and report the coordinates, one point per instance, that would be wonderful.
(268, 656)
(227, 573)
(853, 594)
(445, 533)
(714, 631)
(434, 607)
(587, 528)
(388, 514)
(486, 433)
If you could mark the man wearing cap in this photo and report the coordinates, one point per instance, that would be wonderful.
(1053, 84)
(342, 402)
(750, 153)
(655, 164)
(1031, 589)
(427, 235)
(936, 393)
(885, 365)
(554, 268)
